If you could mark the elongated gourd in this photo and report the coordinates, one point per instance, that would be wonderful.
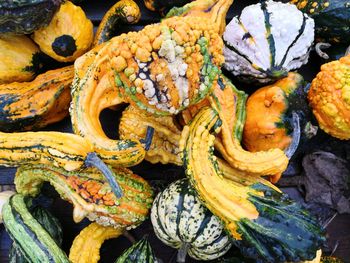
(86, 246)
(164, 147)
(31, 238)
(229, 102)
(51, 225)
(35, 104)
(124, 11)
(66, 150)
(264, 223)
(90, 193)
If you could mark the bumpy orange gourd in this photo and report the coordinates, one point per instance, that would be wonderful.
(329, 97)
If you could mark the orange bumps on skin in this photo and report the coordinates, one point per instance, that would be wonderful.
(329, 97)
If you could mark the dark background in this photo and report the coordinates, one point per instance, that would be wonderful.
(161, 175)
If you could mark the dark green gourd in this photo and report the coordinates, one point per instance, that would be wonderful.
(140, 252)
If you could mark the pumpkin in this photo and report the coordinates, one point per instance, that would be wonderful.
(164, 6)
(31, 238)
(26, 16)
(68, 36)
(329, 98)
(50, 224)
(124, 11)
(267, 40)
(65, 150)
(269, 114)
(19, 58)
(164, 146)
(181, 221)
(264, 223)
(140, 252)
(35, 104)
(86, 246)
(91, 194)
(332, 19)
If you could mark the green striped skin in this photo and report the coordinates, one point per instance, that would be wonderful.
(140, 252)
(332, 19)
(266, 48)
(31, 238)
(90, 193)
(49, 223)
(25, 16)
(179, 218)
(279, 229)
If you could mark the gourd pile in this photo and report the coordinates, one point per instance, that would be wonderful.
(176, 79)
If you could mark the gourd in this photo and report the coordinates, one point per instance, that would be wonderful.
(264, 223)
(4, 196)
(86, 246)
(330, 259)
(164, 6)
(90, 193)
(66, 150)
(25, 16)
(19, 58)
(332, 19)
(33, 105)
(164, 147)
(68, 36)
(140, 252)
(329, 98)
(30, 237)
(51, 225)
(269, 114)
(266, 48)
(181, 221)
(124, 11)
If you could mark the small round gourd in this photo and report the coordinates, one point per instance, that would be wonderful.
(19, 58)
(181, 221)
(329, 98)
(267, 40)
(68, 36)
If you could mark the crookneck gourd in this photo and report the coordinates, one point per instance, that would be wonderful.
(33, 105)
(140, 252)
(124, 11)
(91, 194)
(264, 223)
(153, 69)
(329, 97)
(267, 40)
(50, 224)
(68, 151)
(332, 18)
(164, 147)
(269, 122)
(19, 58)
(25, 16)
(86, 246)
(181, 221)
(36, 244)
(68, 36)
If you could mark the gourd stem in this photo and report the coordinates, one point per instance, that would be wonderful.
(182, 253)
(149, 136)
(347, 52)
(319, 47)
(296, 136)
(129, 237)
(92, 160)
